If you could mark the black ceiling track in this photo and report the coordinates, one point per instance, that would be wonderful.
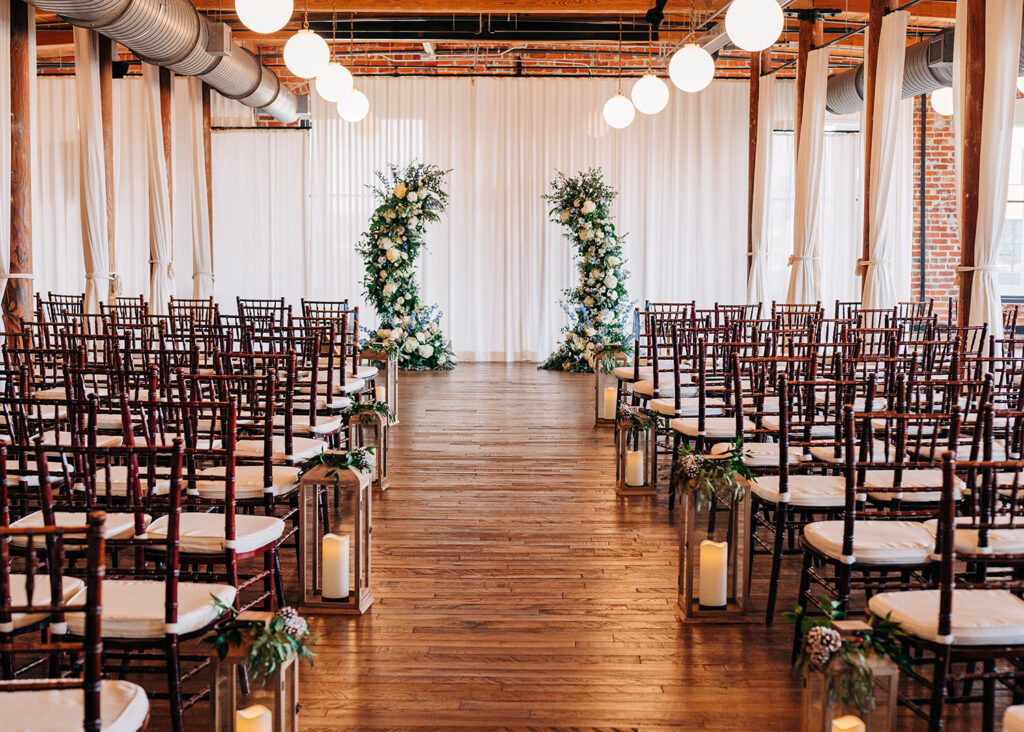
(484, 28)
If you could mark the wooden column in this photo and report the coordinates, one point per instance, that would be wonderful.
(759, 63)
(974, 91)
(207, 148)
(17, 299)
(106, 58)
(166, 113)
(812, 34)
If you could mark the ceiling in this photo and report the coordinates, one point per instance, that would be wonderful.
(518, 37)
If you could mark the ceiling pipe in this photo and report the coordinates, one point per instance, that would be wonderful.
(173, 34)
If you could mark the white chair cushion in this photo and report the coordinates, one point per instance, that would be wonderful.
(249, 482)
(805, 491)
(117, 526)
(123, 708)
(203, 533)
(50, 439)
(820, 431)
(135, 608)
(874, 542)
(827, 453)
(963, 451)
(301, 426)
(768, 404)
(626, 373)
(1000, 541)
(365, 372)
(303, 448)
(340, 403)
(1013, 719)
(760, 454)
(666, 388)
(119, 482)
(351, 386)
(917, 478)
(715, 428)
(70, 586)
(980, 617)
(687, 407)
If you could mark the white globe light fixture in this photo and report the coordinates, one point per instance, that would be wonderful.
(754, 25)
(691, 68)
(1020, 84)
(942, 101)
(264, 16)
(306, 54)
(619, 112)
(649, 94)
(354, 106)
(334, 83)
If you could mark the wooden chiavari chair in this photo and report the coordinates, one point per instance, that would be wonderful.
(126, 310)
(185, 312)
(263, 313)
(58, 308)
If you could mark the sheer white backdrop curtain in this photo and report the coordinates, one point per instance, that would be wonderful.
(885, 198)
(92, 175)
(495, 265)
(760, 231)
(805, 275)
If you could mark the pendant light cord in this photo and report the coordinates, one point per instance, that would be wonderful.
(305, 15)
(620, 55)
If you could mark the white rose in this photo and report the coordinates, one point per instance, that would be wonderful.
(410, 344)
(412, 197)
(401, 299)
(613, 261)
(442, 358)
(589, 207)
(400, 190)
(385, 243)
(397, 334)
(421, 337)
(590, 332)
(389, 289)
(392, 254)
(611, 281)
(600, 233)
(413, 221)
(426, 350)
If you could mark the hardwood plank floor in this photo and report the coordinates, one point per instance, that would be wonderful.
(514, 590)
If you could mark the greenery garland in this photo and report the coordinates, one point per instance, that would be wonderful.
(360, 458)
(410, 198)
(712, 476)
(598, 306)
(270, 644)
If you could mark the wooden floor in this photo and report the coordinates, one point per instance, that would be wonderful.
(513, 590)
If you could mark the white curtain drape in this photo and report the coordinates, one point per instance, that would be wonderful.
(885, 198)
(92, 173)
(760, 232)
(494, 264)
(5, 144)
(202, 254)
(160, 229)
(805, 274)
(1002, 52)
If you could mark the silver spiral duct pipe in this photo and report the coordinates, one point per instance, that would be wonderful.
(928, 66)
(172, 33)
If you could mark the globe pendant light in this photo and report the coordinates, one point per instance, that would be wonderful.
(691, 68)
(754, 25)
(942, 101)
(264, 16)
(649, 94)
(619, 112)
(354, 106)
(335, 82)
(306, 54)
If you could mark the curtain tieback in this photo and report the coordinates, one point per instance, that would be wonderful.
(875, 262)
(793, 259)
(112, 277)
(982, 268)
(164, 263)
(204, 272)
(759, 253)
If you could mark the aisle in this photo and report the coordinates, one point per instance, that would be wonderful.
(513, 589)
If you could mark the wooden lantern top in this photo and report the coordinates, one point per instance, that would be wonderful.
(351, 478)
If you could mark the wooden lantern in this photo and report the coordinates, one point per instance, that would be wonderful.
(371, 430)
(606, 385)
(714, 558)
(324, 564)
(271, 704)
(634, 462)
(819, 714)
(387, 379)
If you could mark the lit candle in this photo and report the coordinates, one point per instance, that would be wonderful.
(380, 394)
(849, 723)
(256, 718)
(634, 467)
(610, 397)
(334, 582)
(713, 573)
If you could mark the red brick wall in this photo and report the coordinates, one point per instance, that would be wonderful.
(941, 237)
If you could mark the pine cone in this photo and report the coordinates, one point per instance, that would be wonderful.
(822, 642)
(294, 624)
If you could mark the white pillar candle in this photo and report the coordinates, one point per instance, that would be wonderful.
(634, 467)
(334, 582)
(713, 573)
(610, 397)
(380, 394)
(849, 723)
(256, 718)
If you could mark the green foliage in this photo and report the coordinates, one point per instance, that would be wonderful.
(380, 409)
(270, 644)
(710, 477)
(598, 306)
(637, 419)
(410, 198)
(358, 458)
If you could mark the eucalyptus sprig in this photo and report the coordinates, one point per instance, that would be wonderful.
(376, 408)
(270, 644)
(712, 476)
(360, 458)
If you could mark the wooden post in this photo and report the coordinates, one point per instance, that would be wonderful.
(106, 59)
(17, 299)
(872, 38)
(207, 148)
(812, 33)
(974, 91)
(166, 117)
(759, 63)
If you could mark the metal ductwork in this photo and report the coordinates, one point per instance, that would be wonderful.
(928, 66)
(173, 34)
